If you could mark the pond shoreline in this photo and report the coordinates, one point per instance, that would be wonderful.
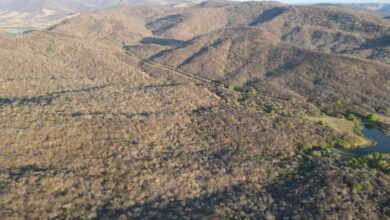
(364, 137)
(381, 141)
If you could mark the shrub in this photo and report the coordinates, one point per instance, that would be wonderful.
(382, 164)
(304, 147)
(54, 120)
(269, 110)
(375, 160)
(378, 156)
(231, 88)
(357, 161)
(217, 82)
(351, 117)
(356, 187)
(253, 91)
(372, 117)
(316, 153)
(339, 142)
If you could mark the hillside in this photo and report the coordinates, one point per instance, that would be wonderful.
(242, 55)
(324, 29)
(217, 110)
(113, 25)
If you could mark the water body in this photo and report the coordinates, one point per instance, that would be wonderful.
(382, 144)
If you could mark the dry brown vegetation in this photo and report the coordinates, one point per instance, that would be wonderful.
(185, 113)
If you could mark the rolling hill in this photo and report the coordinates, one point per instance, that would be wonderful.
(216, 110)
(241, 55)
(325, 29)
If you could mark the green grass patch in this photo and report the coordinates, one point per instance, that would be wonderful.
(350, 129)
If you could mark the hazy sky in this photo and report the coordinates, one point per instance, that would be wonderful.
(334, 1)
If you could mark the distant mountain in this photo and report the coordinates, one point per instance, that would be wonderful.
(72, 6)
(381, 9)
(36, 14)
(37, 6)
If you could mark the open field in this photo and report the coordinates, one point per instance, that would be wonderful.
(348, 128)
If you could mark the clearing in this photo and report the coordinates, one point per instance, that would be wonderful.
(349, 128)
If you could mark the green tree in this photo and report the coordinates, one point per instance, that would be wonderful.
(231, 88)
(304, 147)
(356, 187)
(316, 153)
(351, 117)
(253, 91)
(372, 117)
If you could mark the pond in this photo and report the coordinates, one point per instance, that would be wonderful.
(382, 144)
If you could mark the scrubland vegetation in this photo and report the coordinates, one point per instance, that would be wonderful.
(220, 110)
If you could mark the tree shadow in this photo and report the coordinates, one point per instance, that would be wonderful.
(292, 193)
(39, 100)
(200, 207)
(44, 100)
(268, 15)
(381, 42)
(283, 199)
(197, 208)
(164, 24)
(16, 173)
(200, 52)
(163, 41)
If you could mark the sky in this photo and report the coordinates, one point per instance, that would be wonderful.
(333, 1)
